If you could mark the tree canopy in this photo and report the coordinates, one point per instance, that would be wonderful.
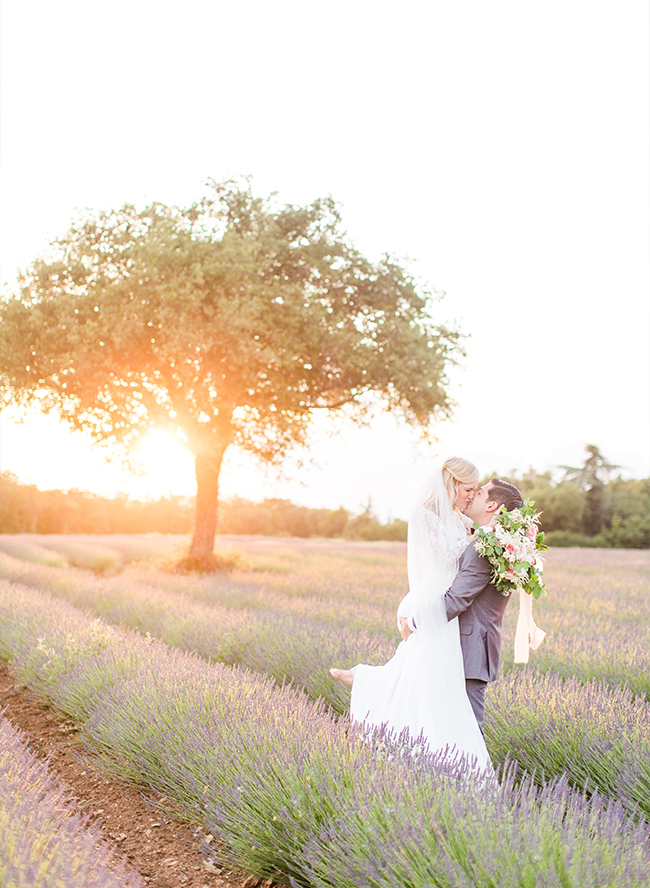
(232, 320)
(596, 469)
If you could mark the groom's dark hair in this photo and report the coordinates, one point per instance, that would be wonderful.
(505, 494)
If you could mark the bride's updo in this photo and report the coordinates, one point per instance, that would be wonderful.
(457, 471)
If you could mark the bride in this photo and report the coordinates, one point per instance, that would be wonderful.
(422, 687)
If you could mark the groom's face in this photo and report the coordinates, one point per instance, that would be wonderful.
(478, 508)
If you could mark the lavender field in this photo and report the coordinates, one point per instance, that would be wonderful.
(215, 692)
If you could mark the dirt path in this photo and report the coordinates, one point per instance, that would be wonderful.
(165, 852)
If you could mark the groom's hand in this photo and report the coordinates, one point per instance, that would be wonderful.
(404, 628)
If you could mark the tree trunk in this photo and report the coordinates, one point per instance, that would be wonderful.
(594, 516)
(207, 468)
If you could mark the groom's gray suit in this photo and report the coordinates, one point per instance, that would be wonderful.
(479, 608)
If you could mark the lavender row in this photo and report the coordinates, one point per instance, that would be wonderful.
(102, 552)
(45, 842)
(596, 617)
(330, 603)
(291, 792)
(285, 646)
(60, 550)
(597, 736)
(599, 632)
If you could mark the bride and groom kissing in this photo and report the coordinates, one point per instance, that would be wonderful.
(450, 622)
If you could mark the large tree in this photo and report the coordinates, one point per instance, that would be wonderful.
(229, 321)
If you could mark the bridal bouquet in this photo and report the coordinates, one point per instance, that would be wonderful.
(514, 549)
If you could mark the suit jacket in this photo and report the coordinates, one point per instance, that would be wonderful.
(479, 608)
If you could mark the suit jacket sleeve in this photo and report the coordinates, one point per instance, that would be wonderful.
(473, 576)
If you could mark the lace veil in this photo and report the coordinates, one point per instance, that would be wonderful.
(437, 537)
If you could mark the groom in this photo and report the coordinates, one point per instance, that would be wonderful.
(475, 601)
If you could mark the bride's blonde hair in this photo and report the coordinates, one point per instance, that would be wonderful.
(457, 471)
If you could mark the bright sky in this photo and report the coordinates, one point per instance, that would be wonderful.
(502, 147)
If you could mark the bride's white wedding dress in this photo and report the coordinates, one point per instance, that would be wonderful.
(422, 687)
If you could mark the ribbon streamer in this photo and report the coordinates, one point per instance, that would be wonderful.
(528, 635)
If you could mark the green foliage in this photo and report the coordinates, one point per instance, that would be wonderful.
(595, 515)
(586, 509)
(367, 527)
(228, 321)
(561, 505)
(595, 469)
(26, 509)
(278, 517)
(29, 510)
(592, 477)
(629, 504)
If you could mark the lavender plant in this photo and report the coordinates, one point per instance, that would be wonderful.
(597, 618)
(82, 553)
(129, 547)
(596, 736)
(44, 841)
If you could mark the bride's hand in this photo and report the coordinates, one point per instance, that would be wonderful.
(494, 519)
(404, 628)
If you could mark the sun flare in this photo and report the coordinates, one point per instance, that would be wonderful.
(44, 452)
(167, 464)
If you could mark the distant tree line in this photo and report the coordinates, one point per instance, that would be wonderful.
(26, 509)
(587, 507)
(568, 514)
(590, 505)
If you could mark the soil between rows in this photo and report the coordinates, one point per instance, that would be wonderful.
(165, 852)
